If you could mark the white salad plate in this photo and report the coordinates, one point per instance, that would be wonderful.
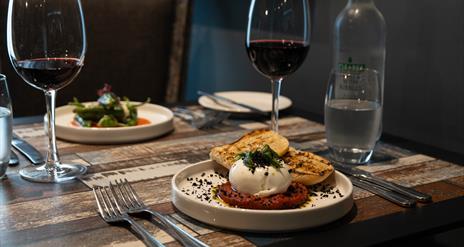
(260, 100)
(192, 194)
(161, 122)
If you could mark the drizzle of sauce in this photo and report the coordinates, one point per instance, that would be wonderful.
(142, 121)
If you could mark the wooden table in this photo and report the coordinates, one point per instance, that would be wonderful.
(34, 214)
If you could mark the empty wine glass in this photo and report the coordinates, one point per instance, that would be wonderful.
(277, 41)
(46, 44)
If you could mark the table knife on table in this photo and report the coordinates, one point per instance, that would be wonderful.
(390, 195)
(27, 150)
(14, 160)
(366, 176)
(227, 100)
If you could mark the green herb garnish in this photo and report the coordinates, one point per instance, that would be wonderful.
(261, 158)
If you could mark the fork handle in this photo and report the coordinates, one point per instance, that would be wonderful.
(182, 236)
(146, 236)
(422, 197)
(384, 193)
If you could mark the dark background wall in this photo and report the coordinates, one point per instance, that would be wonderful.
(129, 44)
(424, 80)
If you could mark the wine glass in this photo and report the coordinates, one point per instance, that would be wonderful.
(46, 45)
(277, 41)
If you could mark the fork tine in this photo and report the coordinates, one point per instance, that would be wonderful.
(124, 196)
(116, 197)
(133, 193)
(108, 198)
(97, 198)
(130, 196)
(105, 204)
(109, 201)
(137, 206)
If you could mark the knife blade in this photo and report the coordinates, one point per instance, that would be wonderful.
(364, 175)
(224, 99)
(27, 150)
(14, 160)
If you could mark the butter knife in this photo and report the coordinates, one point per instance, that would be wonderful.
(14, 160)
(27, 150)
(355, 172)
(384, 193)
(224, 99)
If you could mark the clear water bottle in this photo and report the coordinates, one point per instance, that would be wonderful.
(359, 38)
(354, 99)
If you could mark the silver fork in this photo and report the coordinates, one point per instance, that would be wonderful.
(111, 212)
(133, 205)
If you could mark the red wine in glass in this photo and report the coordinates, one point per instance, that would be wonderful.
(277, 58)
(48, 73)
(277, 42)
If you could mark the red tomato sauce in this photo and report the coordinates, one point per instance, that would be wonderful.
(142, 121)
(296, 195)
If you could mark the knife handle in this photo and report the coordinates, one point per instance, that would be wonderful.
(384, 193)
(220, 98)
(28, 150)
(419, 196)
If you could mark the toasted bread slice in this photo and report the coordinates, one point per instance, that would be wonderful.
(307, 168)
(226, 155)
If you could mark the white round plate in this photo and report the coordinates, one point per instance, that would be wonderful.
(260, 100)
(161, 122)
(191, 194)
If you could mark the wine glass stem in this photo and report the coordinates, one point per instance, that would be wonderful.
(275, 84)
(52, 156)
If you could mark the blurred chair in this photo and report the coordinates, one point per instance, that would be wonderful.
(137, 46)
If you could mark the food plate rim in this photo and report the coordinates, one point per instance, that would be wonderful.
(115, 135)
(348, 199)
(169, 116)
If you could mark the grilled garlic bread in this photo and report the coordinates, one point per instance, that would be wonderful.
(307, 168)
(226, 155)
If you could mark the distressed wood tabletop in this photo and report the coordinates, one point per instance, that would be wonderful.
(35, 214)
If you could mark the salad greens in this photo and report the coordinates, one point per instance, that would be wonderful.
(109, 111)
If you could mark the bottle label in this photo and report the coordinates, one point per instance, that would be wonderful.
(353, 81)
(351, 67)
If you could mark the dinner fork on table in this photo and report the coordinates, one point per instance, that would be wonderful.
(111, 212)
(132, 204)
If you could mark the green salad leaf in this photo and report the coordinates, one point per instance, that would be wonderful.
(110, 110)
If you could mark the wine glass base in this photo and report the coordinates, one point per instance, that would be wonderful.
(60, 173)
